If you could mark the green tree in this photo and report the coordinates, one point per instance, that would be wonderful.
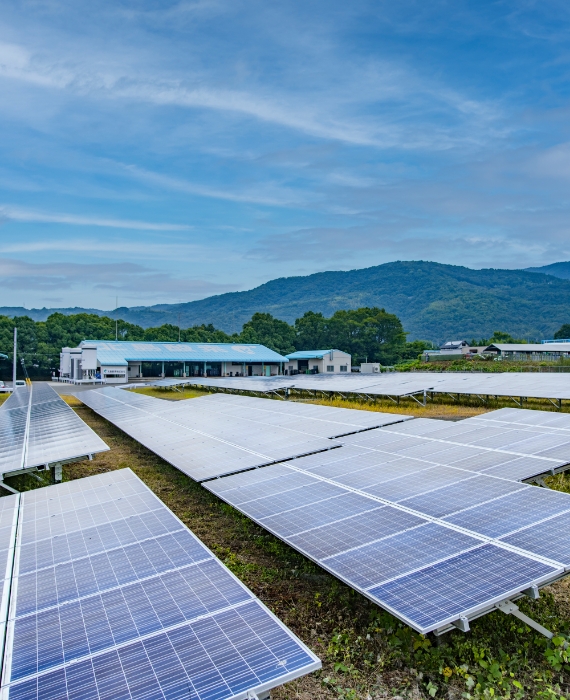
(269, 331)
(311, 332)
(563, 332)
(369, 333)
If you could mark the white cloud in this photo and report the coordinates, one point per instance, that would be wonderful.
(11, 213)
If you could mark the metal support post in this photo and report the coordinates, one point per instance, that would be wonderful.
(509, 608)
(462, 624)
(57, 470)
(4, 485)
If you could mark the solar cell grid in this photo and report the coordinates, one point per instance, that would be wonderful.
(201, 443)
(356, 530)
(511, 512)
(399, 554)
(297, 520)
(547, 539)
(368, 545)
(423, 481)
(456, 497)
(439, 594)
(56, 433)
(136, 601)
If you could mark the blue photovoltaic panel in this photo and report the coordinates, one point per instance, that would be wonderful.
(465, 494)
(354, 531)
(200, 442)
(440, 593)
(121, 600)
(403, 552)
(37, 428)
(504, 515)
(56, 433)
(547, 539)
(393, 542)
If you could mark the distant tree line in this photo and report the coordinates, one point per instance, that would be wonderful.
(368, 334)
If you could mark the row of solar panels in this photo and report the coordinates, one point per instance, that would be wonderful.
(212, 436)
(106, 594)
(425, 517)
(38, 429)
(526, 384)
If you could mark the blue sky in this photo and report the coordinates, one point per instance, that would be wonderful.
(166, 151)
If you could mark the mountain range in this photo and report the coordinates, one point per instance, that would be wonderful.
(435, 302)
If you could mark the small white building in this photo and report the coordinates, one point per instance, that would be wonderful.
(318, 362)
(370, 368)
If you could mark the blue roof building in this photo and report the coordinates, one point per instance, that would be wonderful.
(317, 361)
(117, 361)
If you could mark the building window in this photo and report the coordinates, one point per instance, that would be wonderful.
(343, 368)
(330, 368)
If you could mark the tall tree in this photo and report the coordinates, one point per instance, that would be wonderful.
(269, 331)
(563, 332)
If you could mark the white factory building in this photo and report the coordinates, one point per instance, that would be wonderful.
(117, 361)
(318, 362)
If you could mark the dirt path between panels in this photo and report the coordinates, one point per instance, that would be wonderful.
(366, 653)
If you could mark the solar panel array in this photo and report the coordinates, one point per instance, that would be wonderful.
(526, 384)
(430, 544)
(210, 436)
(325, 421)
(484, 444)
(37, 429)
(113, 597)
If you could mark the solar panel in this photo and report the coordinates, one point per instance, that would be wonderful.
(199, 443)
(37, 428)
(122, 600)
(13, 425)
(56, 433)
(387, 531)
(472, 445)
(326, 421)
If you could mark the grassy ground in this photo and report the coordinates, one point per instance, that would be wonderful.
(366, 653)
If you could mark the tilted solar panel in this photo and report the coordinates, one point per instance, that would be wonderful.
(327, 421)
(430, 546)
(514, 452)
(13, 430)
(56, 433)
(201, 443)
(113, 596)
(37, 429)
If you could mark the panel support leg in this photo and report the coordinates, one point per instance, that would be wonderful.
(57, 470)
(4, 485)
(510, 608)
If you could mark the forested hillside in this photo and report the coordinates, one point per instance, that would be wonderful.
(435, 302)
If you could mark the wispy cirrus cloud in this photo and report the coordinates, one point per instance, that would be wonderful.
(11, 213)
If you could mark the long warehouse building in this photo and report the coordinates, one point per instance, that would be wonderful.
(117, 361)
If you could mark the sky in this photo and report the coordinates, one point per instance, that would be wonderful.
(161, 152)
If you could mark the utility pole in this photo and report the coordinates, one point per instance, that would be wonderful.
(178, 326)
(14, 365)
(116, 319)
